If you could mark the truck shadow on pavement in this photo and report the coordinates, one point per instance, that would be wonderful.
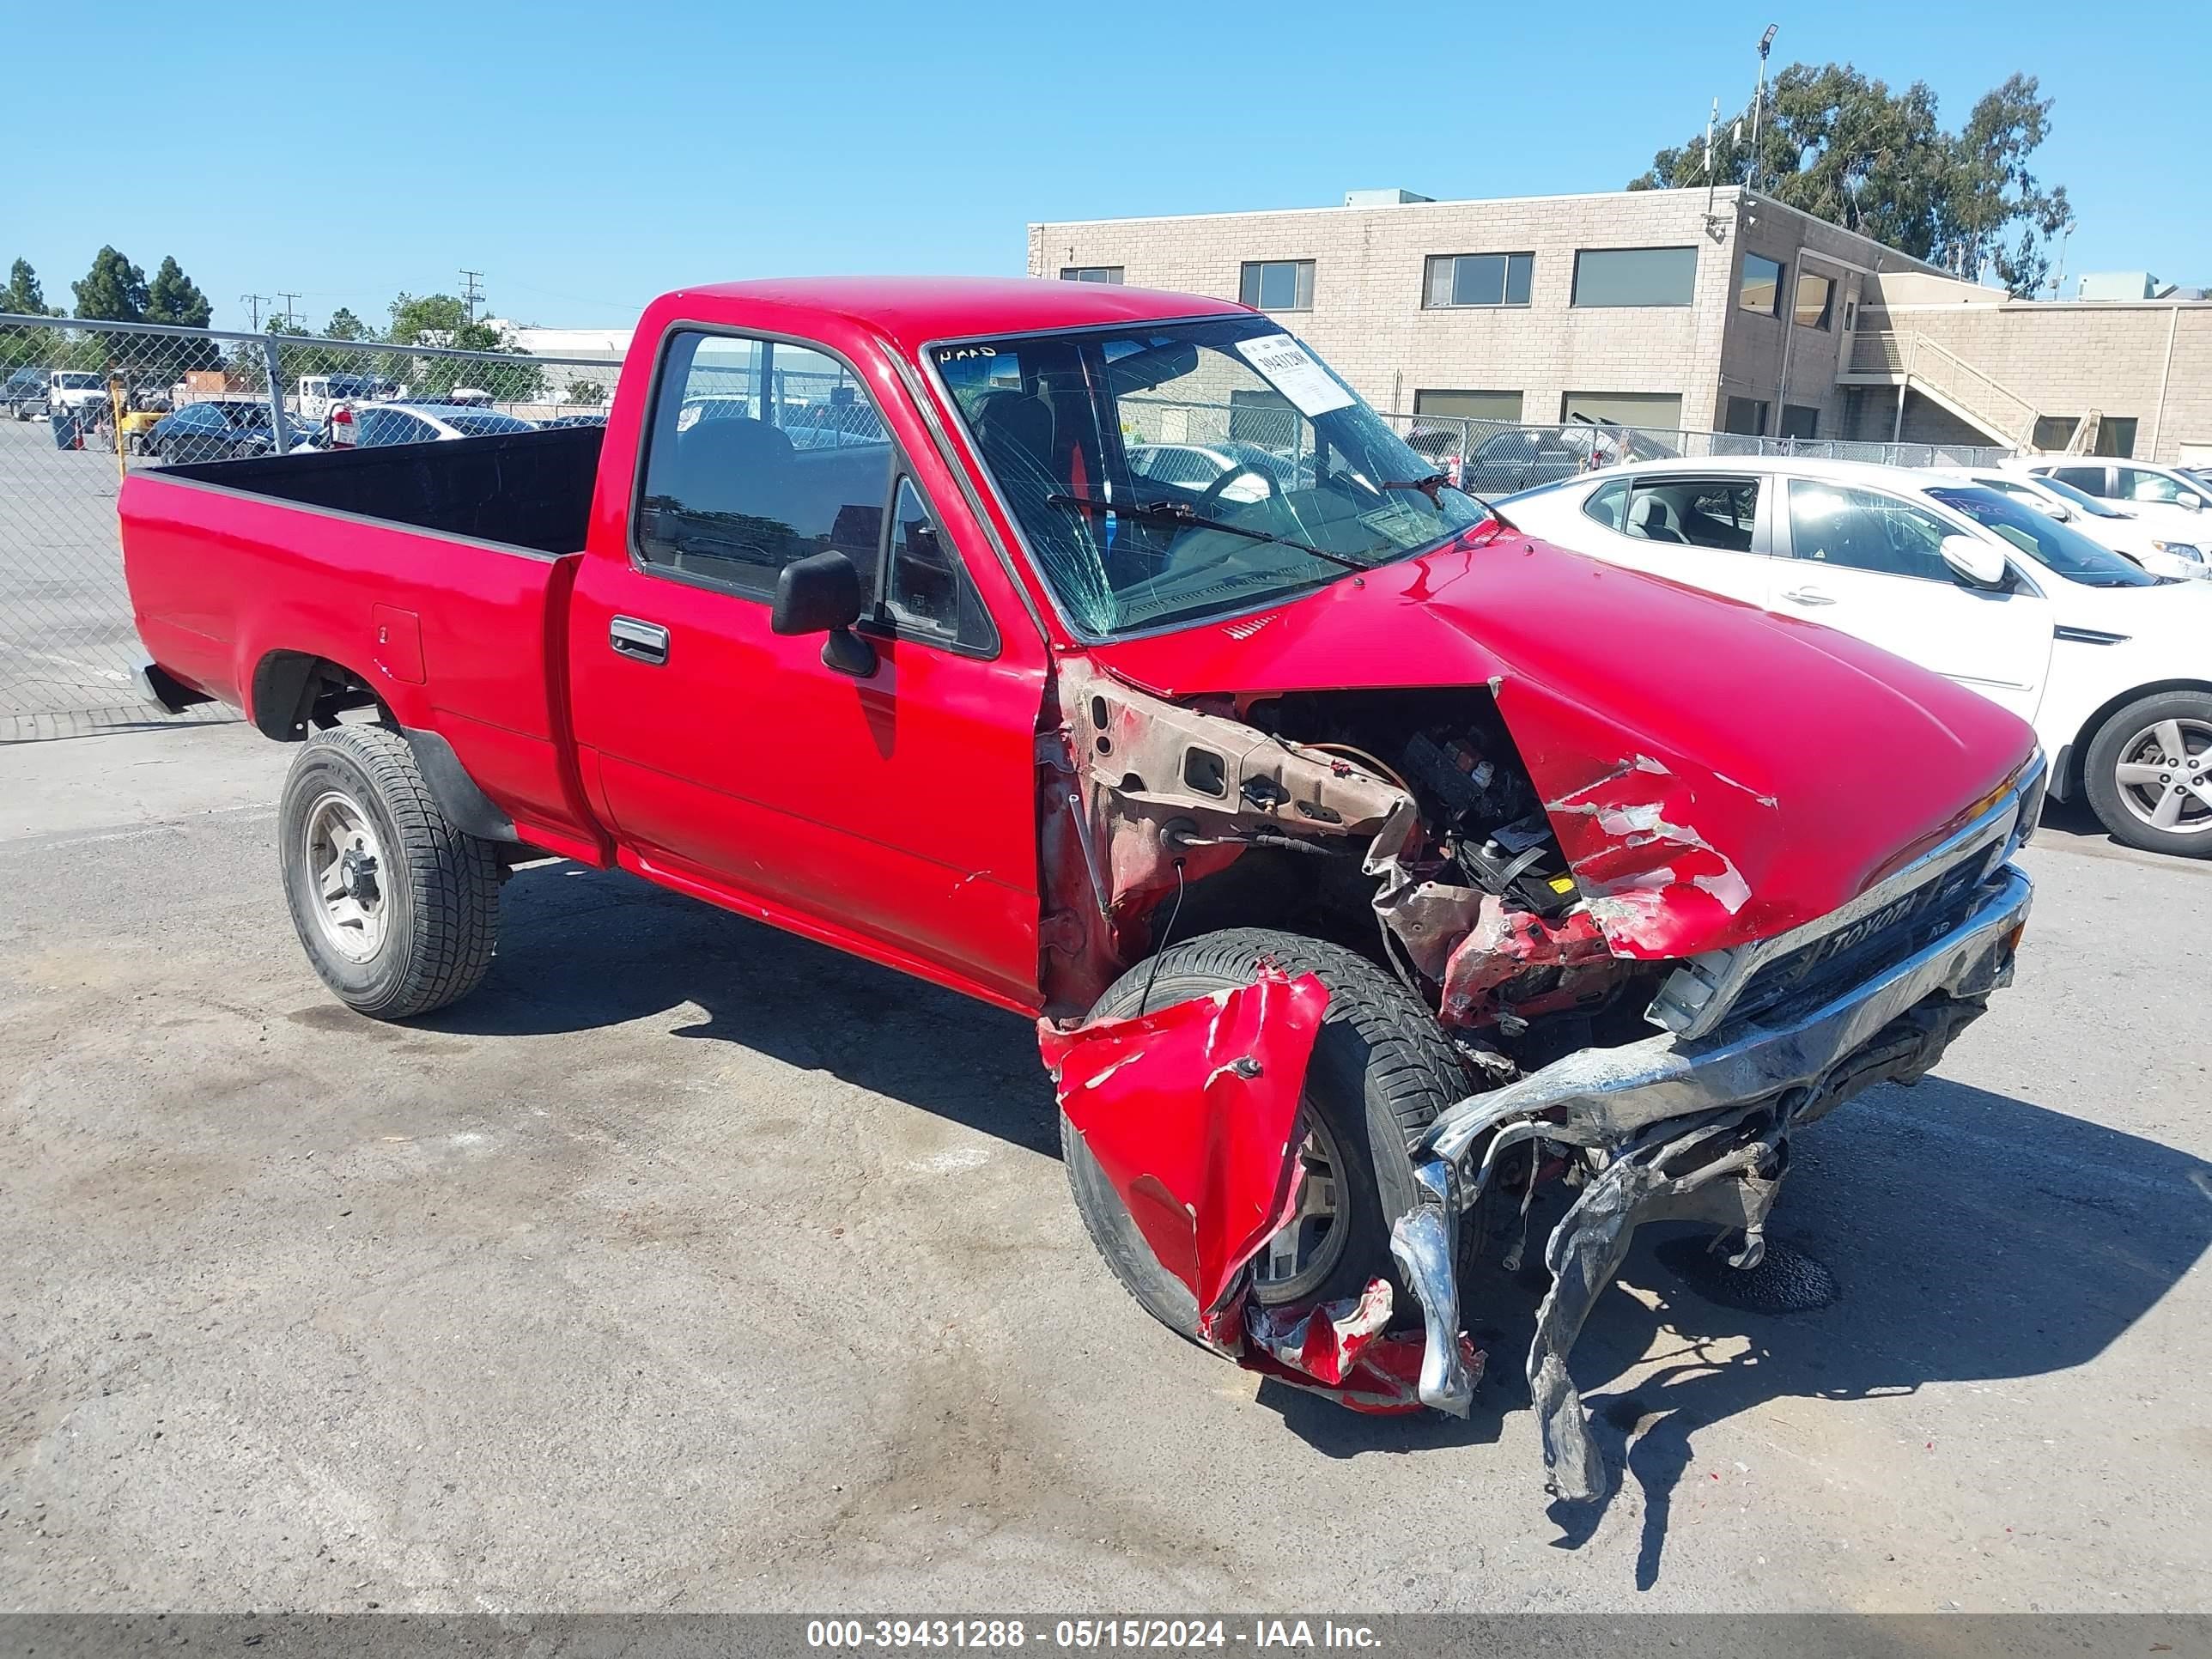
(1972, 1237)
(582, 949)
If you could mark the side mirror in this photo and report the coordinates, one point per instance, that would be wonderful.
(821, 594)
(2051, 509)
(1974, 561)
(2193, 503)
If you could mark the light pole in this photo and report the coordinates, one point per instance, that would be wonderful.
(1759, 98)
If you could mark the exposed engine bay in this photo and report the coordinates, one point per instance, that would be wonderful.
(1401, 824)
(1404, 825)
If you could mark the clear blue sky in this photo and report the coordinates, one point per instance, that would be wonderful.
(586, 157)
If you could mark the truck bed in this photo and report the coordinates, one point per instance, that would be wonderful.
(437, 575)
(530, 489)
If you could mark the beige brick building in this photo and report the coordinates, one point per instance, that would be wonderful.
(1706, 311)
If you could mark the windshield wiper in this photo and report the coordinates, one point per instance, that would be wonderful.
(1158, 511)
(1437, 480)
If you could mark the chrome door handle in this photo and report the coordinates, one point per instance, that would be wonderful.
(641, 641)
(1807, 596)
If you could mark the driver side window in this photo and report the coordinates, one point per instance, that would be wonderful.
(2138, 485)
(1864, 530)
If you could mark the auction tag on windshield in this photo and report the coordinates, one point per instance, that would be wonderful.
(1290, 368)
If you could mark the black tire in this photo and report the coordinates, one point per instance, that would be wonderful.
(1381, 1071)
(2117, 740)
(437, 888)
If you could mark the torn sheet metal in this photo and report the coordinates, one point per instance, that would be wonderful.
(1190, 1111)
(1344, 1351)
(1504, 945)
(1192, 1114)
(1586, 1249)
(1633, 669)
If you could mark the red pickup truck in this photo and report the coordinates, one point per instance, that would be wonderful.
(1099, 653)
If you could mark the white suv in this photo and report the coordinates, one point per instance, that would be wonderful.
(2107, 662)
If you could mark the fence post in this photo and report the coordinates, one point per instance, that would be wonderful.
(280, 427)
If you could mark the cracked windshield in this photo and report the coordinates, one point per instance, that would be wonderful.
(1164, 473)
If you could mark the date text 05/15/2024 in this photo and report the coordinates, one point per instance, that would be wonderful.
(988, 1635)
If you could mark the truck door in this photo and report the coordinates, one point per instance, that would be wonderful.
(891, 811)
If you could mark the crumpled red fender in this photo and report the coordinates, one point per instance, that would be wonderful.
(1191, 1111)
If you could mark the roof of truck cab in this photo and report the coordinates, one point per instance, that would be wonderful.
(911, 312)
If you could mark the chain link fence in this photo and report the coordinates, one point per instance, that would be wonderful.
(1497, 458)
(82, 404)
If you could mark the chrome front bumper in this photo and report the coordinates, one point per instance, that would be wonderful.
(1643, 1107)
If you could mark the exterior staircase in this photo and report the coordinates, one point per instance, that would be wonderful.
(1903, 358)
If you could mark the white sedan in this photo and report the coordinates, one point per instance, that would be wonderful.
(2109, 664)
(2159, 551)
(2169, 501)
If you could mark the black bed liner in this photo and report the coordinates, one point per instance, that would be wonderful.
(529, 489)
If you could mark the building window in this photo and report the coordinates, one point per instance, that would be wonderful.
(1504, 406)
(1760, 290)
(2116, 435)
(1816, 295)
(1746, 417)
(1799, 421)
(1091, 274)
(1660, 411)
(1277, 284)
(1635, 276)
(1477, 279)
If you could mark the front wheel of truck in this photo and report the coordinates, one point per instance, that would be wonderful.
(1381, 1069)
(398, 908)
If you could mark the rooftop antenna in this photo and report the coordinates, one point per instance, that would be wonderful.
(1759, 98)
(1712, 223)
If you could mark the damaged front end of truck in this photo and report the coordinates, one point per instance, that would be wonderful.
(1656, 974)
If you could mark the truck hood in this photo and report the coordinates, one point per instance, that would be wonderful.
(1715, 774)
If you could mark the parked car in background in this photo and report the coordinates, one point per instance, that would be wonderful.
(559, 420)
(74, 391)
(2170, 502)
(2102, 522)
(24, 394)
(2107, 661)
(318, 391)
(1522, 457)
(379, 424)
(221, 429)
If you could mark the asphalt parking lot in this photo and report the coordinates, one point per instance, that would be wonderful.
(691, 1266)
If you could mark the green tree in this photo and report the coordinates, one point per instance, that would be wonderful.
(112, 291)
(344, 325)
(1843, 148)
(23, 296)
(589, 392)
(172, 297)
(439, 320)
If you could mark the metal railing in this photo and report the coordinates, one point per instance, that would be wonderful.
(83, 403)
(1913, 357)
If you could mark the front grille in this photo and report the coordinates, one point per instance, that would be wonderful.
(1868, 945)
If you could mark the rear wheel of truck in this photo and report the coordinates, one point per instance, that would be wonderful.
(2148, 774)
(1380, 1071)
(398, 908)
